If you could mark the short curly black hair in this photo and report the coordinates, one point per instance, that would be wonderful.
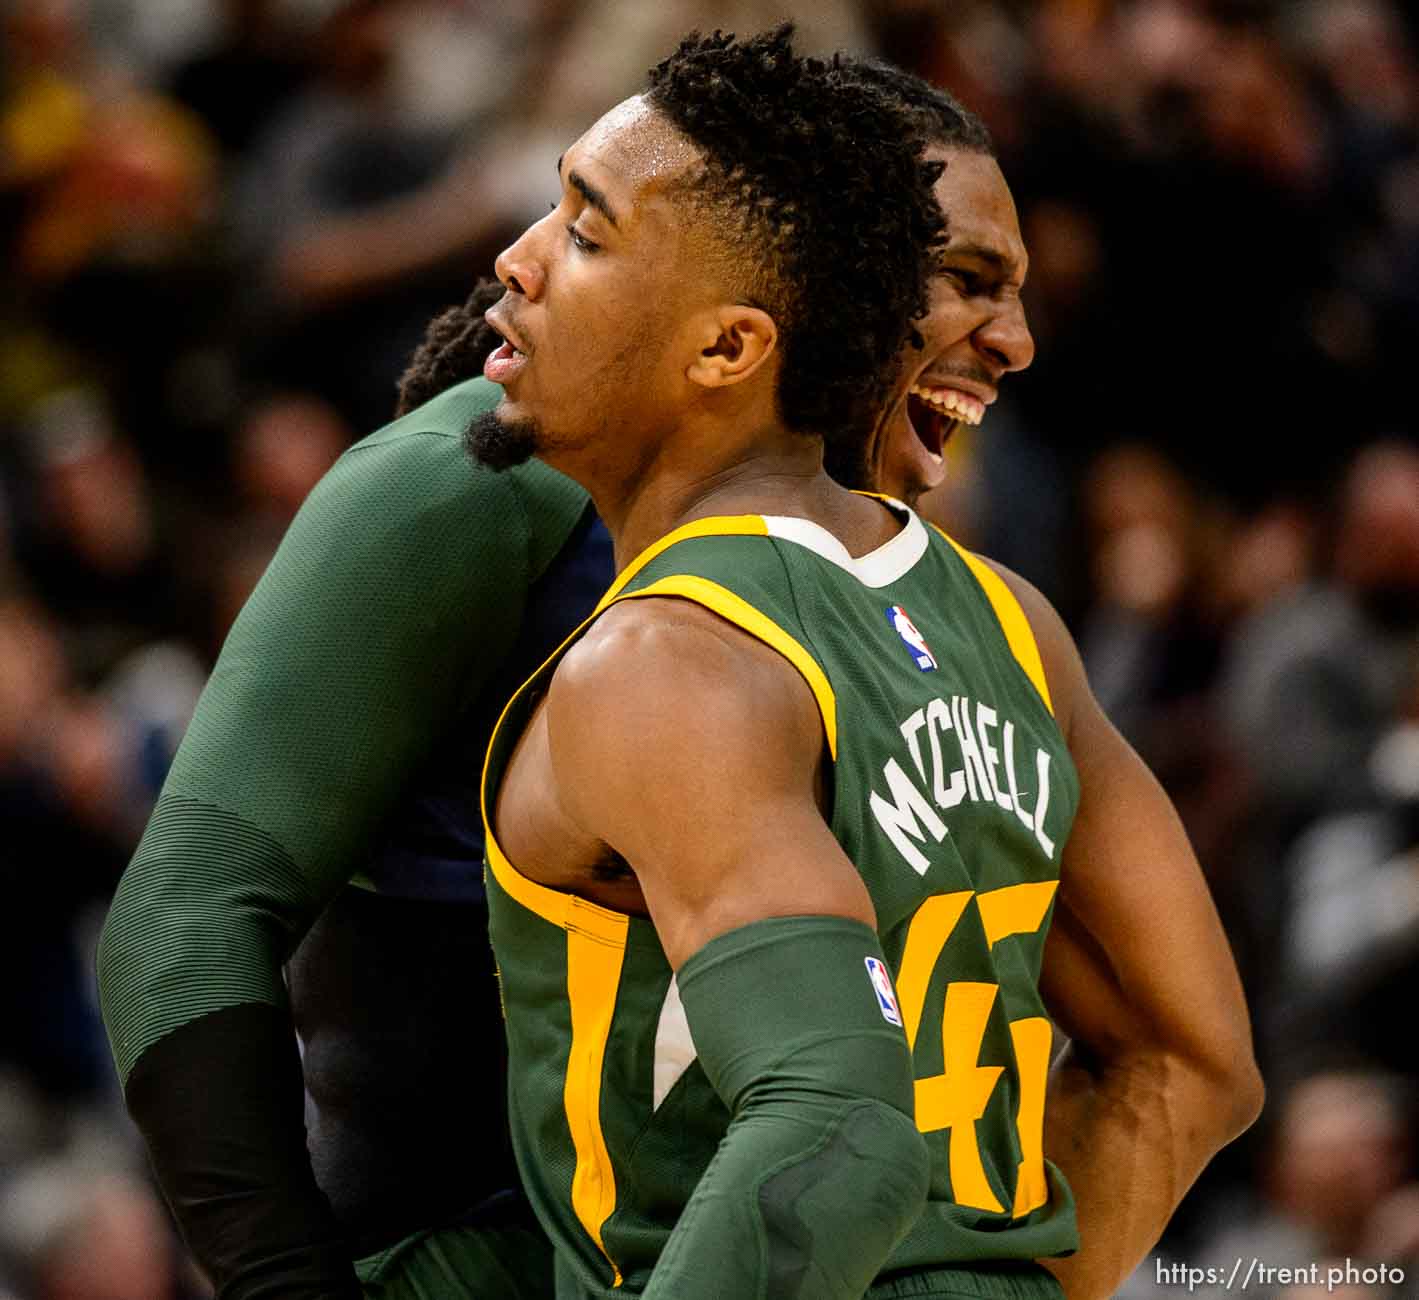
(457, 342)
(814, 179)
(941, 118)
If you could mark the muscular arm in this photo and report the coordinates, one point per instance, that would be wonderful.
(1159, 1073)
(693, 751)
(394, 595)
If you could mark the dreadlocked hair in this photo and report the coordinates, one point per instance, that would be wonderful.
(453, 349)
(940, 117)
(815, 185)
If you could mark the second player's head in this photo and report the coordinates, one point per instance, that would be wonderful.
(745, 246)
(975, 330)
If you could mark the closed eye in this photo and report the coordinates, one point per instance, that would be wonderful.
(582, 242)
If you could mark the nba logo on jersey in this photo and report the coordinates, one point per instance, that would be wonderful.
(911, 638)
(886, 995)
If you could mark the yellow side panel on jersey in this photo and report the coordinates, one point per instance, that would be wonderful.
(740, 612)
(1033, 1039)
(596, 946)
(593, 975)
(1016, 909)
(1012, 619)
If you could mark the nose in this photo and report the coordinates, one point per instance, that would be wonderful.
(1005, 337)
(519, 267)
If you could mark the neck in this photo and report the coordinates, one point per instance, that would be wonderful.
(640, 511)
(750, 487)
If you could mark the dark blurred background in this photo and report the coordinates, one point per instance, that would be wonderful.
(226, 223)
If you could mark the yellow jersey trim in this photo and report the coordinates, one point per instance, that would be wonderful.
(715, 526)
(593, 978)
(1011, 617)
(735, 609)
(596, 948)
(564, 910)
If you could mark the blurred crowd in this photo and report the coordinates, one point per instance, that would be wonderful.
(227, 222)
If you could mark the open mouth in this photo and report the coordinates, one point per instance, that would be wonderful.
(933, 430)
(503, 363)
(936, 413)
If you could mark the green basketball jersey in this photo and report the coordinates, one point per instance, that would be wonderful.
(952, 791)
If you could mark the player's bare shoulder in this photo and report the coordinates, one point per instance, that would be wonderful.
(668, 676)
(662, 713)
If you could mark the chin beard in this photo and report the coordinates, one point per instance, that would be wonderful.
(500, 444)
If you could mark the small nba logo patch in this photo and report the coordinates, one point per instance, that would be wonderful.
(886, 994)
(911, 638)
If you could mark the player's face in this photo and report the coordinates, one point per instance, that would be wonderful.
(597, 292)
(975, 331)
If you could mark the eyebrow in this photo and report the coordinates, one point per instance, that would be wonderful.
(1002, 264)
(590, 193)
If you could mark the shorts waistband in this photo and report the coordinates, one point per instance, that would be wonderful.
(1000, 1281)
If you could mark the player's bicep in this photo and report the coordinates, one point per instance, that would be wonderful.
(694, 751)
(1150, 960)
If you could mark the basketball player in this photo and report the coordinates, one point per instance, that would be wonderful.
(775, 838)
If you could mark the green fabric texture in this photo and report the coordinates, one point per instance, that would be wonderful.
(490, 1262)
(397, 590)
(822, 1169)
(790, 1000)
(1015, 1280)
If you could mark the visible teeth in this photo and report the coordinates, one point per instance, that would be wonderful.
(952, 403)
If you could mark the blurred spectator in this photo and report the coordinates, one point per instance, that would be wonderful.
(60, 858)
(89, 543)
(75, 1230)
(1342, 1147)
(1151, 642)
(1316, 676)
(283, 447)
(350, 259)
(245, 79)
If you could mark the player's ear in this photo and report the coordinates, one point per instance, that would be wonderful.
(735, 342)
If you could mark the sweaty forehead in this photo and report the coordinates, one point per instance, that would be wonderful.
(979, 209)
(634, 147)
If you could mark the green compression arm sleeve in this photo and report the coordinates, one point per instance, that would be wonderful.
(393, 598)
(822, 1169)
